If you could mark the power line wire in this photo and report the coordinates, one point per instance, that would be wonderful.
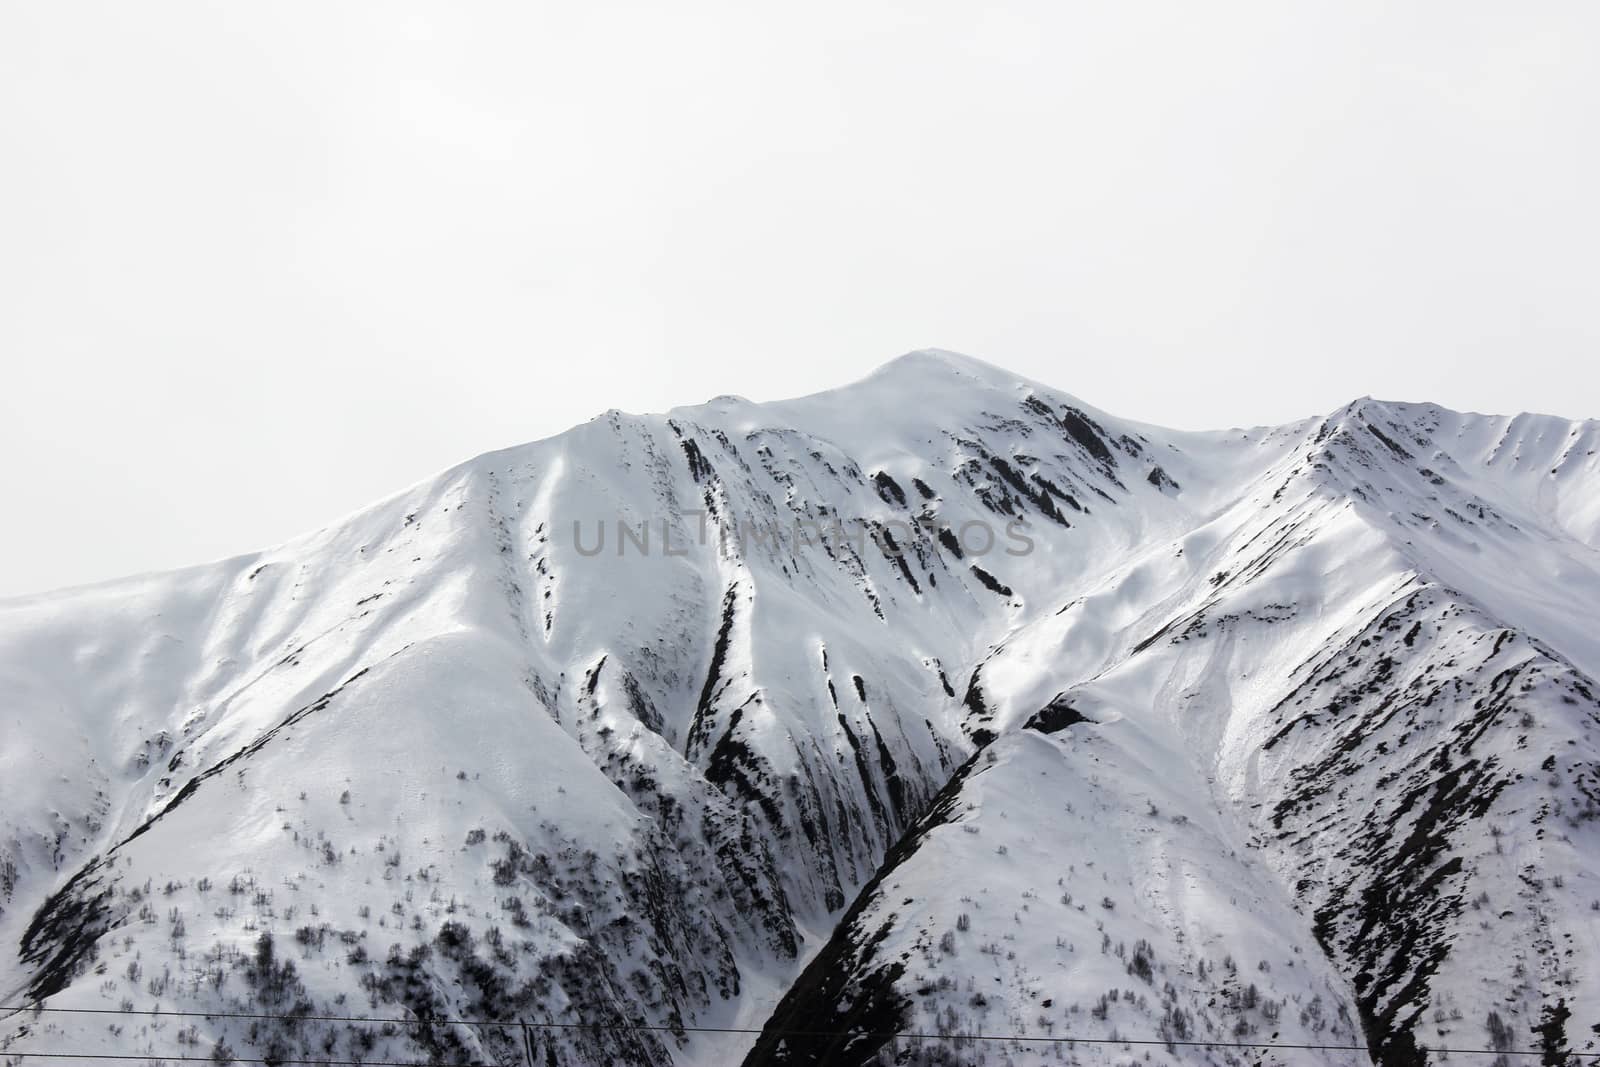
(207, 1059)
(648, 1027)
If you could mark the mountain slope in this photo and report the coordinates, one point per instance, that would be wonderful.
(1291, 680)
(1256, 727)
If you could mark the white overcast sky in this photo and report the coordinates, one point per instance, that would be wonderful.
(261, 264)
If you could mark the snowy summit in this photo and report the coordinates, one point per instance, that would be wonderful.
(937, 719)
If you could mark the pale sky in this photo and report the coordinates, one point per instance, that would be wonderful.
(261, 264)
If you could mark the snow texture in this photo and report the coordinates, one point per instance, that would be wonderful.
(1085, 729)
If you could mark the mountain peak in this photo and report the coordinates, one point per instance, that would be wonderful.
(643, 705)
(925, 360)
(938, 364)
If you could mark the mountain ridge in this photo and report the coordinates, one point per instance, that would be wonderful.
(642, 784)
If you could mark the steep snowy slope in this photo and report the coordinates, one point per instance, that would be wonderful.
(1269, 735)
(1288, 696)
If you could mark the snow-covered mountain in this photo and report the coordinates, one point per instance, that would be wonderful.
(941, 705)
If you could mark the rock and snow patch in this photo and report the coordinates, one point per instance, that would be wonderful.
(1082, 729)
